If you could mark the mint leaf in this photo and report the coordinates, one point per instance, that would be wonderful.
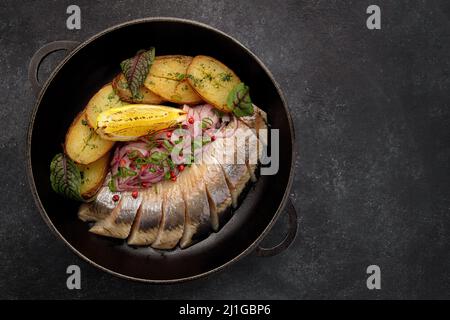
(65, 177)
(239, 101)
(136, 69)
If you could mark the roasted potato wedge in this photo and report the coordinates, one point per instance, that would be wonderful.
(167, 78)
(212, 80)
(93, 176)
(82, 144)
(103, 100)
(120, 87)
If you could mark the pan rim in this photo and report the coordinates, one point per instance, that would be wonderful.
(43, 211)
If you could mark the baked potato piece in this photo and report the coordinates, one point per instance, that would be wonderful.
(93, 176)
(82, 144)
(212, 80)
(120, 87)
(104, 99)
(167, 78)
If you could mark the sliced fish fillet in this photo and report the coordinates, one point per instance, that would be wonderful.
(197, 224)
(172, 220)
(118, 223)
(258, 122)
(148, 218)
(225, 152)
(219, 195)
(100, 208)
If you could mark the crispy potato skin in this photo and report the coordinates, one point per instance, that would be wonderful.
(119, 85)
(167, 79)
(103, 100)
(212, 80)
(93, 176)
(82, 144)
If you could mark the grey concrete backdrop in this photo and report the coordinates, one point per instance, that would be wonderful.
(372, 117)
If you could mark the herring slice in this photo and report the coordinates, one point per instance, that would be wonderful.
(197, 218)
(219, 195)
(100, 208)
(146, 225)
(225, 151)
(118, 223)
(173, 217)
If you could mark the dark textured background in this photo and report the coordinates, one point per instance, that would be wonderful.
(372, 117)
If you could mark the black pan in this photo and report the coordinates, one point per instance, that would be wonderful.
(93, 63)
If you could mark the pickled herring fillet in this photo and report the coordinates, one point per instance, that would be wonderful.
(197, 215)
(118, 223)
(172, 220)
(148, 218)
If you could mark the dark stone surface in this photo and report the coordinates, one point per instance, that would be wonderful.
(372, 119)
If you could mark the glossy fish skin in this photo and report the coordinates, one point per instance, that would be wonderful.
(258, 121)
(237, 175)
(219, 195)
(100, 208)
(173, 217)
(146, 225)
(197, 215)
(118, 223)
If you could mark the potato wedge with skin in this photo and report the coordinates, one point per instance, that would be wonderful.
(167, 78)
(104, 99)
(93, 176)
(171, 67)
(120, 87)
(212, 80)
(82, 144)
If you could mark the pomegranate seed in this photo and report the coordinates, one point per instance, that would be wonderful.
(181, 167)
(172, 174)
(169, 134)
(174, 178)
(191, 120)
(213, 138)
(134, 194)
(145, 184)
(115, 197)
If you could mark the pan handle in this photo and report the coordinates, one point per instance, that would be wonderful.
(288, 239)
(39, 56)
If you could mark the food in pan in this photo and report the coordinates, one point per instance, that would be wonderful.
(162, 175)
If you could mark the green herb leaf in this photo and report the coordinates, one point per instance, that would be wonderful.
(239, 101)
(136, 69)
(65, 177)
(158, 156)
(206, 139)
(112, 185)
(170, 163)
(167, 175)
(180, 76)
(168, 145)
(133, 154)
(207, 122)
(124, 172)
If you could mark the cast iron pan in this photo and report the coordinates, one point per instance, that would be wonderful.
(90, 65)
